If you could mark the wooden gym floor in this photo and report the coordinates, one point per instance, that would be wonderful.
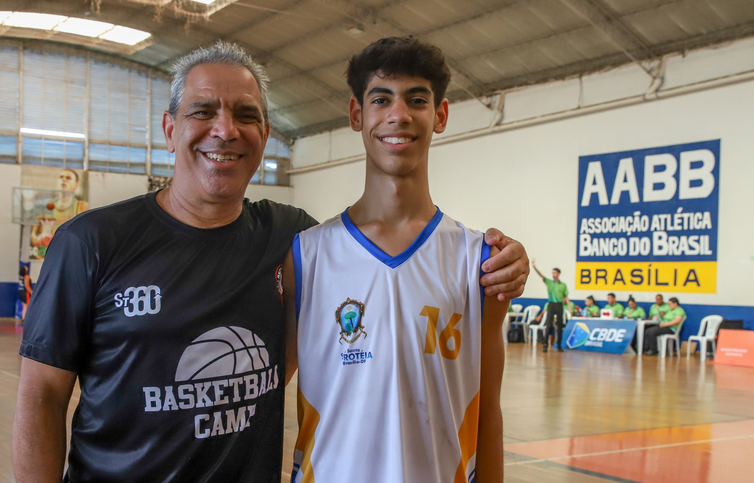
(573, 417)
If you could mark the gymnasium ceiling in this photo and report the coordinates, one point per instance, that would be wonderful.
(489, 44)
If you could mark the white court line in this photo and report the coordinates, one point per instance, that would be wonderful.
(659, 446)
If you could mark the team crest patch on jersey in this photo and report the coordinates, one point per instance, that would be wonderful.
(349, 317)
(279, 280)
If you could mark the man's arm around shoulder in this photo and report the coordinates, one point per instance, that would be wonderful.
(489, 460)
(39, 433)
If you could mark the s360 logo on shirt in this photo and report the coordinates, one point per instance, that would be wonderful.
(139, 300)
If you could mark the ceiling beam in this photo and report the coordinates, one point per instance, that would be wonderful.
(425, 33)
(612, 27)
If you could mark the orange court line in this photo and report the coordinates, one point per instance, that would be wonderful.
(705, 453)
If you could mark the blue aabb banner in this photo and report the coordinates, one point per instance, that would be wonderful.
(599, 335)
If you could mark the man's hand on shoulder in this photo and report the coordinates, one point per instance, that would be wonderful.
(506, 272)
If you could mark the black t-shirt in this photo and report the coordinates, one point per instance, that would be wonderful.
(177, 336)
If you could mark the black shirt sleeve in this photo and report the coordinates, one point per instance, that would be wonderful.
(56, 329)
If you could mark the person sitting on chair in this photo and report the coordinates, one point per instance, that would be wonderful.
(658, 309)
(614, 306)
(669, 325)
(591, 309)
(634, 311)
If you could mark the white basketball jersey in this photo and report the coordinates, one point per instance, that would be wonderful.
(389, 354)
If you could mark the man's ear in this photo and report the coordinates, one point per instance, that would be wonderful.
(168, 126)
(441, 117)
(354, 114)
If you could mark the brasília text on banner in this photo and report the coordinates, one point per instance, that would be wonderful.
(647, 219)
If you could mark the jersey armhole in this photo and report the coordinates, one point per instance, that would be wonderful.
(485, 256)
(296, 249)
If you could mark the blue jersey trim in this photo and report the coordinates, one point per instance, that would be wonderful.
(297, 272)
(377, 253)
(485, 256)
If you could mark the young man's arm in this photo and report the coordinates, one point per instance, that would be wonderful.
(533, 262)
(291, 326)
(489, 459)
(39, 434)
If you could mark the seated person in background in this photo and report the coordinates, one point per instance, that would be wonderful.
(538, 318)
(573, 309)
(669, 325)
(613, 305)
(591, 309)
(658, 310)
(634, 311)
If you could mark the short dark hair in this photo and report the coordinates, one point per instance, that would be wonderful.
(557, 269)
(399, 56)
(659, 295)
(611, 294)
(674, 300)
(590, 297)
(22, 271)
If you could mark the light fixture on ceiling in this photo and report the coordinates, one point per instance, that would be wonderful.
(125, 35)
(28, 20)
(94, 31)
(356, 30)
(80, 26)
(48, 133)
(205, 2)
(271, 165)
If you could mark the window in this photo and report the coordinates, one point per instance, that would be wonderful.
(163, 162)
(8, 149)
(73, 103)
(54, 91)
(117, 159)
(53, 152)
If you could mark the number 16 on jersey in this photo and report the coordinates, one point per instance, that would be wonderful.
(449, 332)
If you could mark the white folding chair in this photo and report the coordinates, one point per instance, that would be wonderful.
(707, 332)
(517, 307)
(534, 328)
(676, 337)
(530, 313)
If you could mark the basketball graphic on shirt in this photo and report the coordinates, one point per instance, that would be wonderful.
(223, 351)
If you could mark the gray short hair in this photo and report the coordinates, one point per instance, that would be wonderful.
(220, 53)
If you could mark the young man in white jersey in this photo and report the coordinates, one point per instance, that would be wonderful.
(400, 355)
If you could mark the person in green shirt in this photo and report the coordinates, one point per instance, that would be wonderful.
(591, 309)
(557, 293)
(614, 306)
(669, 325)
(634, 311)
(658, 310)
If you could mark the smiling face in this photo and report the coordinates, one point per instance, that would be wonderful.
(397, 121)
(632, 304)
(658, 300)
(219, 133)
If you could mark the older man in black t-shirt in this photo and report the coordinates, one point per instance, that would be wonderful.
(168, 308)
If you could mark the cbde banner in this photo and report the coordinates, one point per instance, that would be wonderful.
(597, 335)
(647, 219)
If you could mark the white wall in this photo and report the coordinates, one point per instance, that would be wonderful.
(10, 234)
(525, 181)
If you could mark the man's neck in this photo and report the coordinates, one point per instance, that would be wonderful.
(393, 210)
(196, 211)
